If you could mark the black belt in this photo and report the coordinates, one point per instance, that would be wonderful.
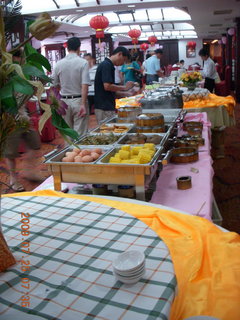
(71, 97)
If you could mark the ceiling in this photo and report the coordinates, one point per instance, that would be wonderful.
(197, 19)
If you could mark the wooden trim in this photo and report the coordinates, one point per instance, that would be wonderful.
(237, 65)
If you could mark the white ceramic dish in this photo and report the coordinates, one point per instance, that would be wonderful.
(130, 273)
(130, 280)
(128, 261)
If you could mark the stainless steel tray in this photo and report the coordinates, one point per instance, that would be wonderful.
(105, 159)
(82, 141)
(109, 125)
(57, 157)
(123, 139)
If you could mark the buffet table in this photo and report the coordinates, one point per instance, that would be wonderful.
(71, 244)
(220, 110)
(199, 199)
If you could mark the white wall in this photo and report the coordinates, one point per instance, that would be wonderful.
(182, 52)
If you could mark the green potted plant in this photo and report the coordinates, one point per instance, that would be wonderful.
(18, 83)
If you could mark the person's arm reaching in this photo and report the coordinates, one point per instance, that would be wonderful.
(114, 87)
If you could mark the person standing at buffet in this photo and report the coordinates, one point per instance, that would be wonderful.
(105, 87)
(92, 72)
(71, 75)
(153, 67)
(209, 70)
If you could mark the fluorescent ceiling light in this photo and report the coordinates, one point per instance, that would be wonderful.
(131, 6)
(175, 14)
(146, 27)
(215, 41)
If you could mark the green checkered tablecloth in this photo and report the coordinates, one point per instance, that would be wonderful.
(71, 247)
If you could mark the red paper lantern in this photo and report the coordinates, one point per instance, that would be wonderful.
(144, 46)
(99, 23)
(152, 40)
(134, 34)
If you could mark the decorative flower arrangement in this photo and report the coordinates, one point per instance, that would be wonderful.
(191, 78)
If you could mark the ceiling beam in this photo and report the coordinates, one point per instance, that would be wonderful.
(55, 2)
(77, 3)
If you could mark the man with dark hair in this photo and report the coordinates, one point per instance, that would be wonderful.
(71, 75)
(209, 70)
(153, 67)
(105, 86)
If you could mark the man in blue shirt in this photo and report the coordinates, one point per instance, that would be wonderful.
(153, 67)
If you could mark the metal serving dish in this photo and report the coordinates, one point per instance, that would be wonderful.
(114, 128)
(100, 139)
(105, 159)
(141, 136)
(57, 157)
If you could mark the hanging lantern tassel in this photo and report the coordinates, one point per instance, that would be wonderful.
(99, 35)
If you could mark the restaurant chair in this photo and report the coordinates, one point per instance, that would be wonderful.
(223, 88)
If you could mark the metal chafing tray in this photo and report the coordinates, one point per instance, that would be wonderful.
(90, 135)
(101, 173)
(117, 125)
(123, 140)
(58, 156)
(105, 159)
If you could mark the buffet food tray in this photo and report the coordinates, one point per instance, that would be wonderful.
(57, 157)
(114, 128)
(94, 139)
(125, 139)
(105, 159)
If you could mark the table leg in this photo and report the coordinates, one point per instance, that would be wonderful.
(139, 184)
(56, 172)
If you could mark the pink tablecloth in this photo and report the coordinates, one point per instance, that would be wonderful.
(197, 200)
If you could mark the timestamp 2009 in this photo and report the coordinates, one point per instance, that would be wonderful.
(25, 261)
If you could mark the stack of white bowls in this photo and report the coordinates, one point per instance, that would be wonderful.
(129, 266)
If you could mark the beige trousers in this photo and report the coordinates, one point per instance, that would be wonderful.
(103, 115)
(79, 124)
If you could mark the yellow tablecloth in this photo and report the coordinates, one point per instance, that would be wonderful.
(212, 101)
(206, 259)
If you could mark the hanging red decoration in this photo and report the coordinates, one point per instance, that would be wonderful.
(144, 46)
(134, 34)
(99, 23)
(191, 44)
(152, 40)
(65, 45)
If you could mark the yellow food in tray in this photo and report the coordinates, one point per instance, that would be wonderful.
(134, 155)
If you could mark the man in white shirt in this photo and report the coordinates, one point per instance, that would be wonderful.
(71, 74)
(209, 70)
(153, 67)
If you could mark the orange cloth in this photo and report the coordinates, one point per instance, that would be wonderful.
(212, 101)
(206, 260)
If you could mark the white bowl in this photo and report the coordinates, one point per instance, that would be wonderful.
(130, 273)
(129, 280)
(128, 261)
